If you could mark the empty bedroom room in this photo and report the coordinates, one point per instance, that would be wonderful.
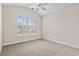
(39, 29)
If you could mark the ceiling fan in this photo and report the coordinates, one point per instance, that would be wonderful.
(39, 7)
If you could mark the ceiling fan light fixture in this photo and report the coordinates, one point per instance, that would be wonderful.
(39, 7)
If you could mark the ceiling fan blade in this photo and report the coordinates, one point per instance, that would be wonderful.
(31, 6)
(43, 8)
(35, 5)
(43, 4)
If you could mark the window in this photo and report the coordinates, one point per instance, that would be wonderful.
(25, 25)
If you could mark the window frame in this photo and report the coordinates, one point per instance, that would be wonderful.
(28, 33)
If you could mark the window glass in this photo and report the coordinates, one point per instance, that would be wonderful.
(25, 25)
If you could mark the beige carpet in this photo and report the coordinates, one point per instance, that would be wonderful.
(39, 48)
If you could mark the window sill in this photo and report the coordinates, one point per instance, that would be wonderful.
(28, 34)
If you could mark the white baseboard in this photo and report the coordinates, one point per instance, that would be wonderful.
(67, 44)
(10, 43)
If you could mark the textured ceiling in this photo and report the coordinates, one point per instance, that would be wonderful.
(51, 7)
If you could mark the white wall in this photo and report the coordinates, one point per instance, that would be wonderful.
(63, 26)
(9, 24)
(0, 27)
